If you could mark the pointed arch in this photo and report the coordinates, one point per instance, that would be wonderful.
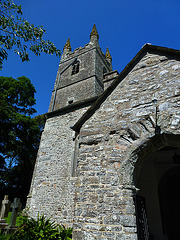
(75, 67)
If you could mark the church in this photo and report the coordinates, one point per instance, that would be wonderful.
(108, 164)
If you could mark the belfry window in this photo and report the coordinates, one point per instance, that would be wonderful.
(75, 68)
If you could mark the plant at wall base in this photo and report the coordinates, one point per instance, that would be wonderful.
(41, 229)
(65, 233)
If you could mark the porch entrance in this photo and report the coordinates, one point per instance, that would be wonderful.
(158, 198)
(169, 196)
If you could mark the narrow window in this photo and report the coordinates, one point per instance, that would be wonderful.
(75, 68)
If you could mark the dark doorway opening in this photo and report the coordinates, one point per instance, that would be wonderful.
(169, 197)
(158, 197)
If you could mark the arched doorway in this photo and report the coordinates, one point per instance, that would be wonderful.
(169, 197)
(158, 196)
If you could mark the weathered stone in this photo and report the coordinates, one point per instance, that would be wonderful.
(123, 236)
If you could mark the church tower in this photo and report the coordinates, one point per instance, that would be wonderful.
(78, 84)
(80, 73)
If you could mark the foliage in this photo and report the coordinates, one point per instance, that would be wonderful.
(41, 229)
(65, 233)
(19, 136)
(17, 32)
(8, 218)
(5, 237)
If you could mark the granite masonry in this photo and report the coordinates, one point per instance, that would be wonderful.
(110, 149)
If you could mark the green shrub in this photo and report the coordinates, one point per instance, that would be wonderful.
(41, 229)
(65, 233)
(4, 237)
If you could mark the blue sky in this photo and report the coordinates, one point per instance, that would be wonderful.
(124, 26)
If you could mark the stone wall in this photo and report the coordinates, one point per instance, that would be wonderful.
(109, 78)
(73, 87)
(52, 189)
(119, 134)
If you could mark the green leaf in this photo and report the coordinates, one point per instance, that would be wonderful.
(19, 135)
(18, 32)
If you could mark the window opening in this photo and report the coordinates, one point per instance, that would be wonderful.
(75, 68)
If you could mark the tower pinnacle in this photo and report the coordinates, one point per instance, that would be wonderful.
(108, 55)
(67, 46)
(94, 36)
(66, 49)
(94, 32)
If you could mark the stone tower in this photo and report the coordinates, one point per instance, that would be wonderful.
(79, 82)
(80, 73)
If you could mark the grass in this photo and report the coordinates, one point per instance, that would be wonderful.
(8, 218)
